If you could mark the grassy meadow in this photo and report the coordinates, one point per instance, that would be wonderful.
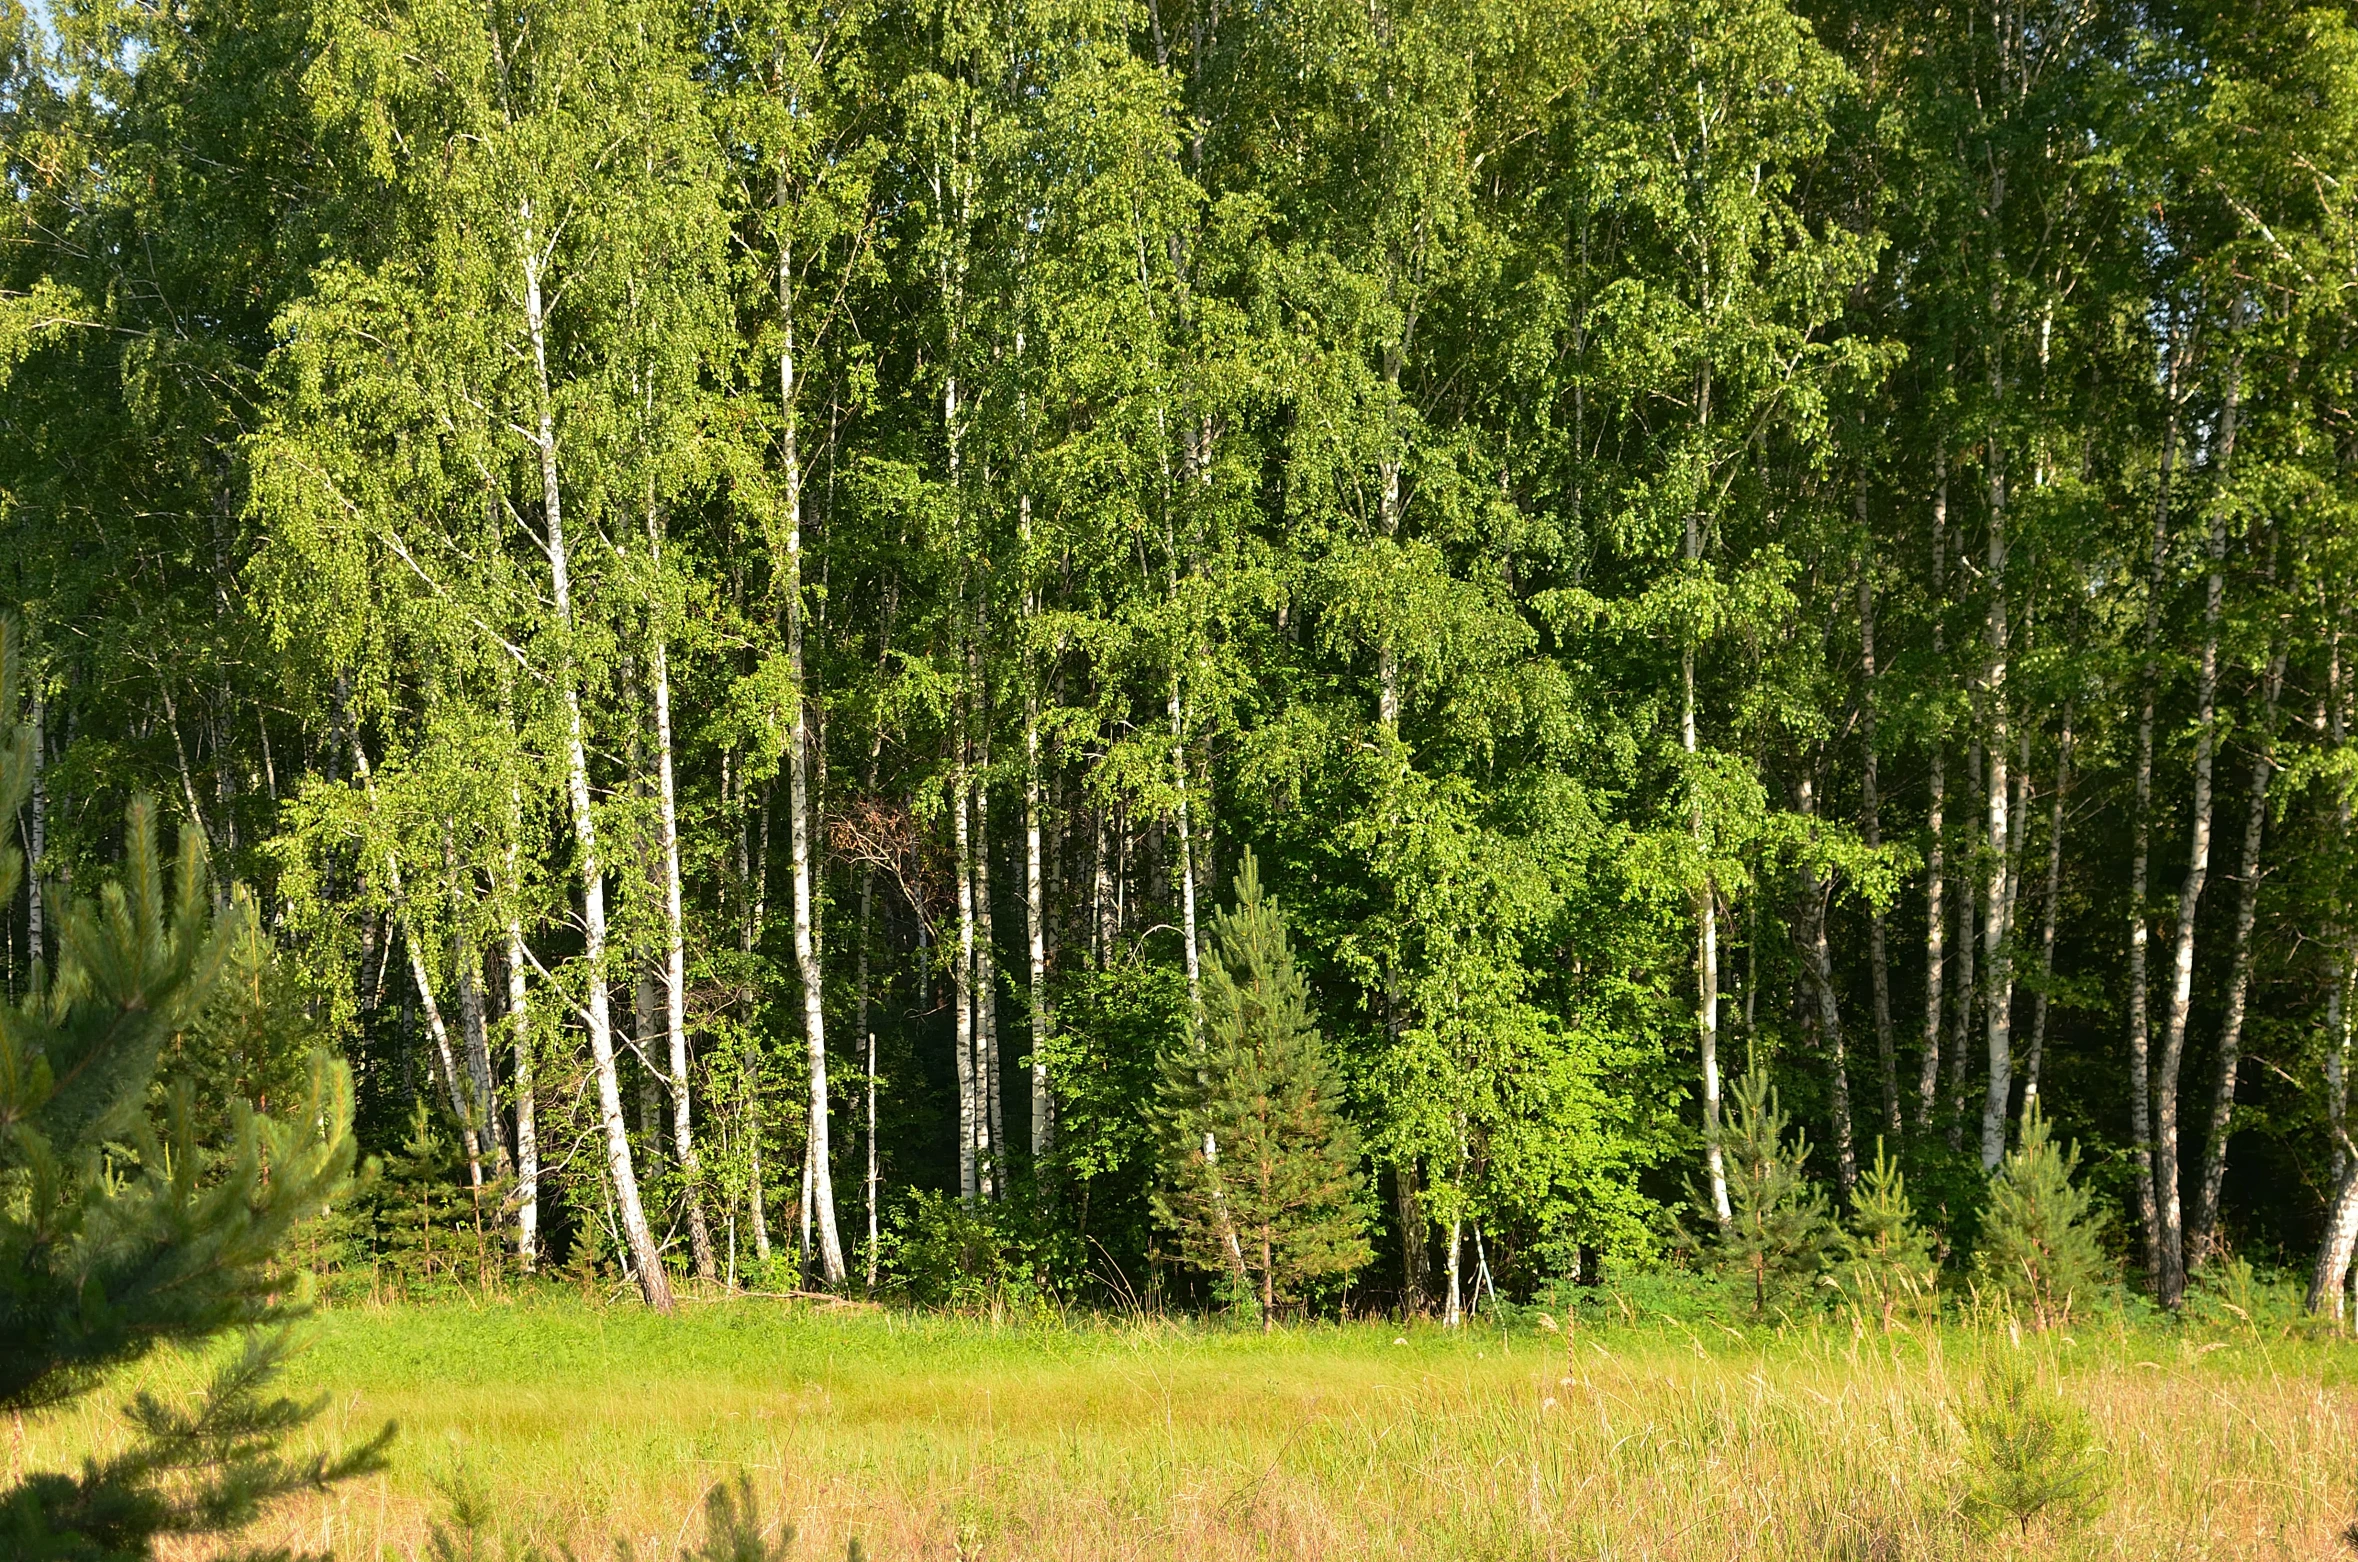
(554, 1423)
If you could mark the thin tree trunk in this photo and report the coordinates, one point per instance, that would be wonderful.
(2034, 1062)
(2341, 1221)
(1034, 905)
(675, 938)
(1821, 970)
(1871, 820)
(820, 1180)
(2202, 1235)
(2170, 1279)
(962, 978)
(2141, 853)
(37, 826)
(987, 1061)
(654, 1285)
(1935, 877)
(1036, 934)
(1969, 911)
(1997, 913)
(1706, 930)
(521, 1036)
(2333, 1253)
(405, 925)
(1187, 924)
(1415, 1257)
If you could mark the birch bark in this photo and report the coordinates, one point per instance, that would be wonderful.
(2202, 1232)
(654, 1284)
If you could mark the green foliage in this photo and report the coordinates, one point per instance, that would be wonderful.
(1888, 1265)
(2029, 1454)
(1774, 1242)
(2040, 1247)
(416, 1227)
(941, 1251)
(1262, 1166)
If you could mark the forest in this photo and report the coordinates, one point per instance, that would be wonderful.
(1330, 659)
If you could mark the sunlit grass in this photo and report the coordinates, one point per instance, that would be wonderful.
(939, 1438)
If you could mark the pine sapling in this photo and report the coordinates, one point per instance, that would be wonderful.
(2028, 1452)
(1774, 1241)
(1262, 1166)
(1888, 1262)
(2040, 1245)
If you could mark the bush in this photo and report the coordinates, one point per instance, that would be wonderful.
(940, 1251)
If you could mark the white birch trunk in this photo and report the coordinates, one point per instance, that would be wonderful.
(962, 975)
(654, 1285)
(2141, 855)
(1935, 864)
(1997, 940)
(2202, 1234)
(2034, 1060)
(521, 1036)
(2170, 1276)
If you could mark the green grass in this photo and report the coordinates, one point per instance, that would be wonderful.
(938, 1438)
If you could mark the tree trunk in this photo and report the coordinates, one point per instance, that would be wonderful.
(1415, 1256)
(1036, 932)
(1871, 820)
(1187, 926)
(521, 1036)
(2035, 1060)
(962, 977)
(435, 1028)
(987, 1061)
(37, 826)
(675, 939)
(1935, 879)
(1969, 912)
(820, 1180)
(2341, 1221)
(1706, 930)
(1816, 893)
(2141, 853)
(2170, 1276)
(2333, 1253)
(1997, 933)
(654, 1285)
(2202, 1235)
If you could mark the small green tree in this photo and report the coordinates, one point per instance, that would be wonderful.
(1262, 1167)
(1775, 1238)
(2039, 1240)
(1887, 1258)
(124, 1226)
(2028, 1451)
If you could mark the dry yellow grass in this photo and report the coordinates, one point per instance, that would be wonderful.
(930, 1438)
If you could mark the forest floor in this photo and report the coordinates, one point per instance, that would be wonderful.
(552, 1423)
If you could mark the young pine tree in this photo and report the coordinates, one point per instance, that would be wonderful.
(1775, 1237)
(124, 1225)
(1263, 1179)
(1887, 1258)
(2039, 1242)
